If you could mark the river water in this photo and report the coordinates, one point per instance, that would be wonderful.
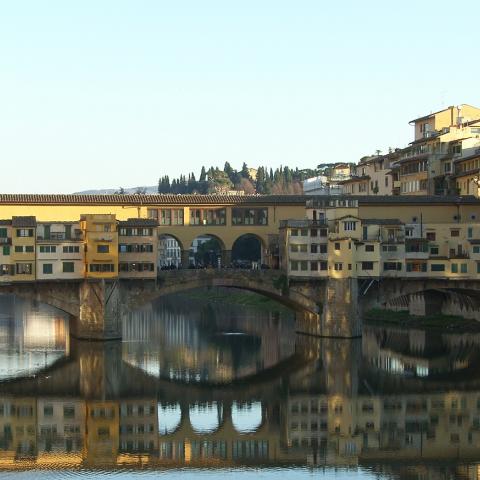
(216, 384)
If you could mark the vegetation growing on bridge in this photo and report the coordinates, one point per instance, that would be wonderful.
(437, 322)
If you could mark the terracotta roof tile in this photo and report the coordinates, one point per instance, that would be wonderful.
(148, 200)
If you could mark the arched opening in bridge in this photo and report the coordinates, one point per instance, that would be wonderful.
(207, 251)
(247, 417)
(169, 418)
(205, 418)
(247, 251)
(169, 252)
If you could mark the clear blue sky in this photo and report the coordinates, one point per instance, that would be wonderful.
(109, 93)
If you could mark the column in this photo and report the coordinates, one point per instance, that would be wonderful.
(185, 258)
(226, 258)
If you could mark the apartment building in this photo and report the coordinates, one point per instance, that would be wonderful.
(7, 268)
(101, 249)
(60, 251)
(137, 248)
(373, 176)
(22, 254)
(467, 174)
(352, 238)
(427, 164)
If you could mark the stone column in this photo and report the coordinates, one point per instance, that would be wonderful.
(226, 258)
(185, 258)
(100, 311)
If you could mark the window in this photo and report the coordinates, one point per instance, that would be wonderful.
(3, 233)
(323, 232)
(102, 267)
(437, 267)
(294, 233)
(369, 248)
(416, 267)
(24, 268)
(337, 246)
(313, 266)
(389, 248)
(24, 232)
(47, 268)
(249, 216)
(463, 268)
(454, 233)
(338, 267)
(389, 266)
(303, 248)
(476, 249)
(433, 250)
(323, 248)
(431, 236)
(48, 410)
(71, 249)
(303, 265)
(313, 248)
(409, 232)
(304, 232)
(165, 217)
(478, 267)
(313, 232)
(48, 249)
(177, 216)
(470, 232)
(29, 249)
(68, 411)
(349, 226)
(324, 265)
(68, 267)
(103, 248)
(18, 249)
(454, 267)
(294, 265)
(294, 247)
(367, 265)
(6, 250)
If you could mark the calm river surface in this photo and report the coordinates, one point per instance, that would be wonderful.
(216, 384)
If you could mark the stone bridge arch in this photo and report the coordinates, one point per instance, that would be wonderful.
(269, 283)
(423, 296)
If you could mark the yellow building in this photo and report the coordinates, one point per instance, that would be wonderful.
(23, 248)
(101, 245)
(467, 174)
(138, 248)
(372, 237)
(7, 268)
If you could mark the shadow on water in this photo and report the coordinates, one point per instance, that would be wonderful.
(214, 385)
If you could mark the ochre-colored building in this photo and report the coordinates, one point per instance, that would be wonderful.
(101, 245)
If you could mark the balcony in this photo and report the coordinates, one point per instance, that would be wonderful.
(5, 241)
(60, 237)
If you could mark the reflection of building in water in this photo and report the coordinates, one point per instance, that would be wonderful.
(61, 426)
(138, 426)
(343, 429)
(102, 425)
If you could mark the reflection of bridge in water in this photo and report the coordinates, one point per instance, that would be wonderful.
(326, 406)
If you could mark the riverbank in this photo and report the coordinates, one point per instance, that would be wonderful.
(429, 322)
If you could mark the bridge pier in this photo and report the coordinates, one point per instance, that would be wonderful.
(226, 258)
(99, 315)
(185, 258)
